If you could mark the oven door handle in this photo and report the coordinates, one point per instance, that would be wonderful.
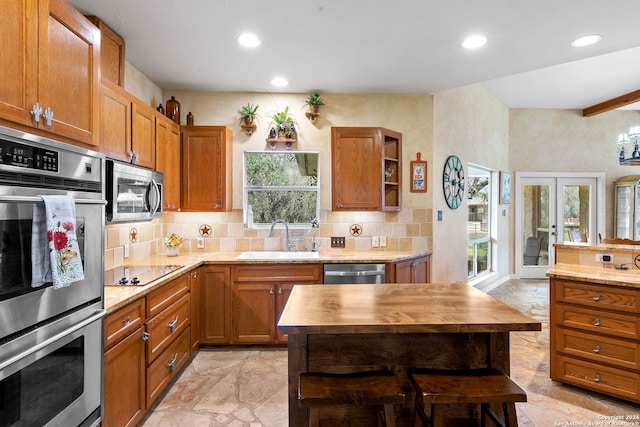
(97, 316)
(36, 199)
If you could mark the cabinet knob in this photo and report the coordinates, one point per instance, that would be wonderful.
(280, 291)
(596, 349)
(172, 364)
(596, 322)
(339, 205)
(145, 336)
(194, 275)
(597, 378)
(597, 296)
(217, 206)
(127, 321)
(271, 291)
(415, 264)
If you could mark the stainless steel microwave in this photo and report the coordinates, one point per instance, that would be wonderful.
(134, 193)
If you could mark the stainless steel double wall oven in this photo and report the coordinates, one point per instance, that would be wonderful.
(51, 340)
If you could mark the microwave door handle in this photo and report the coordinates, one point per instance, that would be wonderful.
(156, 197)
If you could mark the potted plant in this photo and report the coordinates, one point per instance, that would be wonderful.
(248, 113)
(284, 124)
(314, 101)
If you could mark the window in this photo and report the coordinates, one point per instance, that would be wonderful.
(479, 221)
(281, 185)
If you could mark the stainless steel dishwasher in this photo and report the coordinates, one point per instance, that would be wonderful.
(359, 273)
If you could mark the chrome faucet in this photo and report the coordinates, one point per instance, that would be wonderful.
(287, 245)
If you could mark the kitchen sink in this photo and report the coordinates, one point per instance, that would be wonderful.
(275, 255)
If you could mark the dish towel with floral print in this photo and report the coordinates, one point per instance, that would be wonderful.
(55, 255)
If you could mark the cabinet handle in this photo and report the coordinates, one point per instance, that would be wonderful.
(217, 206)
(194, 275)
(130, 155)
(48, 116)
(415, 264)
(145, 336)
(597, 297)
(127, 321)
(339, 205)
(596, 349)
(271, 291)
(597, 378)
(173, 324)
(136, 156)
(280, 291)
(172, 365)
(596, 322)
(36, 112)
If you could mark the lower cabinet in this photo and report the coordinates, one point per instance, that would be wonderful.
(414, 270)
(259, 294)
(215, 304)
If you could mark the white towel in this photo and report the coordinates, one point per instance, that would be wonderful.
(55, 255)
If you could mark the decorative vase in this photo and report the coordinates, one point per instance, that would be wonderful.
(189, 119)
(173, 109)
(173, 250)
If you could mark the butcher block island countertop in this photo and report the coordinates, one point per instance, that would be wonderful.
(352, 328)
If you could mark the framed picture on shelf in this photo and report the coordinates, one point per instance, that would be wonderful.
(505, 188)
(418, 177)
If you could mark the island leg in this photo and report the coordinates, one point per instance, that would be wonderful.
(298, 363)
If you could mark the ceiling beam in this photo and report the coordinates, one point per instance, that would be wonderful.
(612, 104)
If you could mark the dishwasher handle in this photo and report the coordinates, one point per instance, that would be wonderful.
(354, 273)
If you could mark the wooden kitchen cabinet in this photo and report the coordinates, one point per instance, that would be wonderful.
(259, 293)
(595, 337)
(215, 327)
(414, 270)
(206, 168)
(196, 309)
(127, 126)
(168, 160)
(124, 366)
(112, 53)
(359, 158)
(51, 56)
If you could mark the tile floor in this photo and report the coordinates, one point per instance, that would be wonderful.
(248, 387)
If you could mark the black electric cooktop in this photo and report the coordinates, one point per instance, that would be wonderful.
(137, 275)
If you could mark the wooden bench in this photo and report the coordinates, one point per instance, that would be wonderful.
(483, 387)
(317, 390)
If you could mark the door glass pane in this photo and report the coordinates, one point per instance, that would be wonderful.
(575, 211)
(535, 225)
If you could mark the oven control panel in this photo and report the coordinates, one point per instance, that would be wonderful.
(22, 155)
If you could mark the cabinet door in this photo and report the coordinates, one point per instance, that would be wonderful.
(417, 270)
(196, 309)
(282, 295)
(124, 382)
(403, 272)
(253, 313)
(168, 161)
(143, 134)
(68, 69)
(115, 122)
(206, 168)
(216, 305)
(356, 169)
(18, 59)
(422, 270)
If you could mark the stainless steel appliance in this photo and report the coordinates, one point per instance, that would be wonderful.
(50, 339)
(358, 273)
(134, 193)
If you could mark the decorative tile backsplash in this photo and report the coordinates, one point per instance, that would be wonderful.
(407, 230)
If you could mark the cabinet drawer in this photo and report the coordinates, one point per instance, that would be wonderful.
(616, 382)
(602, 296)
(124, 321)
(167, 325)
(598, 321)
(277, 273)
(166, 366)
(601, 349)
(162, 298)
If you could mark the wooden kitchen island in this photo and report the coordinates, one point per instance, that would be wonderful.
(351, 328)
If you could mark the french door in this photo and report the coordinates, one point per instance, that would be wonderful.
(548, 207)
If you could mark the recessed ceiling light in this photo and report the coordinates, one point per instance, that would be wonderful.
(249, 40)
(586, 40)
(279, 81)
(474, 42)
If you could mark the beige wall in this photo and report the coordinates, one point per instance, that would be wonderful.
(472, 124)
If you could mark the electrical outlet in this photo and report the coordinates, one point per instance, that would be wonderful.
(374, 242)
(126, 251)
(337, 242)
(200, 242)
(604, 257)
(383, 241)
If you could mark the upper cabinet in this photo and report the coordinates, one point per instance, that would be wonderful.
(127, 126)
(366, 166)
(168, 161)
(206, 168)
(112, 53)
(49, 69)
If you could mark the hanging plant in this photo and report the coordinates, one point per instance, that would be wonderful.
(248, 113)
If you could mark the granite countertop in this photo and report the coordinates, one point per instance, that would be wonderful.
(606, 276)
(116, 297)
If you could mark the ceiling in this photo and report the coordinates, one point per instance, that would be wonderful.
(383, 46)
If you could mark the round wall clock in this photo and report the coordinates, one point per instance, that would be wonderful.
(453, 182)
